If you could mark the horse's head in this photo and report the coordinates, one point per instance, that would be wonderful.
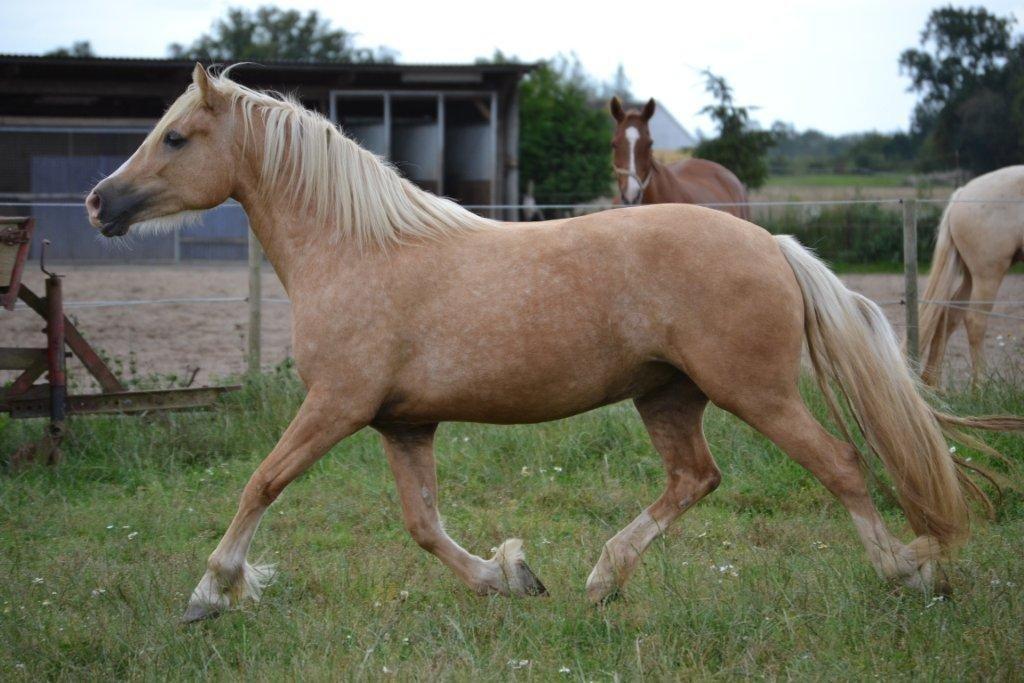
(632, 150)
(188, 163)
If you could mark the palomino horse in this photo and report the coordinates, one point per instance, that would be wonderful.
(643, 180)
(980, 237)
(410, 311)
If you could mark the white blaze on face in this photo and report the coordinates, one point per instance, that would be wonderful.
(632, 193)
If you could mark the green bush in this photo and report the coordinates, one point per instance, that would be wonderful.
(852, 234)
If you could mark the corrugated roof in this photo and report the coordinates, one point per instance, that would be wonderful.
(291, 64)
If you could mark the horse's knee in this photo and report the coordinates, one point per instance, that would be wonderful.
(260, 491)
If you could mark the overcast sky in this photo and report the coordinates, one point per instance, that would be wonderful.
(825, 64)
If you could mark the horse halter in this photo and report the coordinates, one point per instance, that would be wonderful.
(643, 183)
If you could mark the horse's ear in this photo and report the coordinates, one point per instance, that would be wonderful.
(615, 105)
(648, 111)
(202, 80)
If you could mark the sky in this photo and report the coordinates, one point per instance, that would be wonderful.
(820, 64)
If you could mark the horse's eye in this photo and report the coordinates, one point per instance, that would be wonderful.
(175, 140)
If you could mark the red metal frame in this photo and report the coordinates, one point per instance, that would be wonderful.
(24, 398)
(8, 298)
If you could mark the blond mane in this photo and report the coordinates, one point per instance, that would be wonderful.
(344, 186)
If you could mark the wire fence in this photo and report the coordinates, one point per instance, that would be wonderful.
(848, 233)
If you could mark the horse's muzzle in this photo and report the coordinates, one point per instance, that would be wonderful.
(112, 208)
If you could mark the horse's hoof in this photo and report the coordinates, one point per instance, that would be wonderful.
(517, 577)
(198, 612)
(531, 585)
(943, 588)
(601, 592)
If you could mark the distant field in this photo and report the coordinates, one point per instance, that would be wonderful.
(840, 180)
(835, 186)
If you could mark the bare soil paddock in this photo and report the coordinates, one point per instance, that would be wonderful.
(150, 343)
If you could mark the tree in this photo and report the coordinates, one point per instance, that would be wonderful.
(738, 146)
(968, 72)
(620, 87)
(962, 48)
(563, 140)
(79, 48)
(271, 33)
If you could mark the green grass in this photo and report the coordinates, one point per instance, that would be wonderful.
(98, 557)
(839, 180)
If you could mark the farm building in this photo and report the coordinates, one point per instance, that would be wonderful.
(65, 122)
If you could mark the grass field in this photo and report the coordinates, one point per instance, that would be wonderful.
(843, 180)
(845, 186)
(764, 578)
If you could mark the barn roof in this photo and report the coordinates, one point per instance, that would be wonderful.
(141, 87)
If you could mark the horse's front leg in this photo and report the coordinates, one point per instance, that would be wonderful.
(410, 454)
(229, 578)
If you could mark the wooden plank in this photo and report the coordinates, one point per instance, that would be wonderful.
(255, 301)
(12, 358)
(120, 403)
(910, 276)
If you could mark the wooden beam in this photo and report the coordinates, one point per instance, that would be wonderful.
(19, 358)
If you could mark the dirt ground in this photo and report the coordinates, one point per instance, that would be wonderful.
(157, 341)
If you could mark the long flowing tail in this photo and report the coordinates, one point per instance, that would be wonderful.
(946, 278)
(852, 345)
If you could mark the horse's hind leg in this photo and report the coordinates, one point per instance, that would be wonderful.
(410, 454)
(986, 288)
(787, 422)
(672, 416)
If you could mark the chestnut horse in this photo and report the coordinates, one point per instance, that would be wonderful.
(981, 235)
(410, 311)
(644, 180)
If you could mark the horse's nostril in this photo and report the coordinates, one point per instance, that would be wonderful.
(93, 204)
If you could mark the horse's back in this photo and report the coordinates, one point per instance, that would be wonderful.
(711, 183)
(986, 218)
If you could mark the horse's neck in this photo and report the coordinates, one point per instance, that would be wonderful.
(665, 186)
(296, 248)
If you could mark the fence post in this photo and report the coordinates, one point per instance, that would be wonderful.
(910, 275)
(255, 301)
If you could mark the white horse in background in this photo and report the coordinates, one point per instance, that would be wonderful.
(981, 235)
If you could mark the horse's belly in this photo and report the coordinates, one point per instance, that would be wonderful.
(522, 397)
